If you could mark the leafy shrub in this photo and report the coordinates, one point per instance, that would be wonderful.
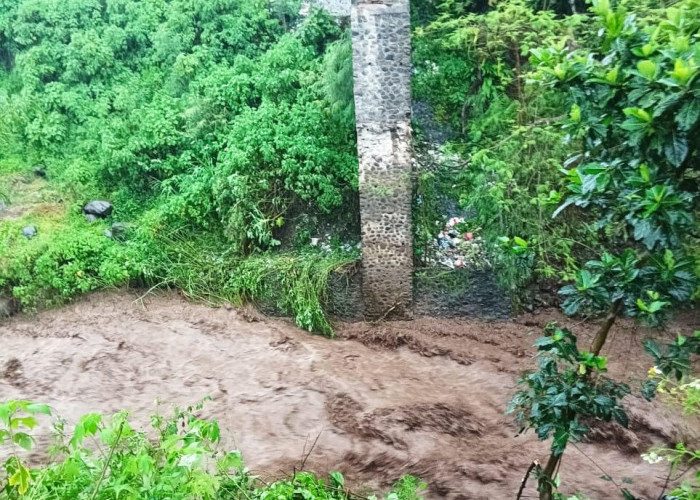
(567, 389)
(673, 378)
(180, 457)
(206, 268)
(218, 119)
(473, 69)
(632, 179)
(61, 262)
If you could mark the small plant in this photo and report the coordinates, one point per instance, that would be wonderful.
(17, 419)
(567, 391)
(672, 378)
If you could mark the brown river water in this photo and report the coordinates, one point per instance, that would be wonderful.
(425, 397)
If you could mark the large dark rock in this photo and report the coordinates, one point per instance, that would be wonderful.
(99, 208)
(40, 171)
(29, 232)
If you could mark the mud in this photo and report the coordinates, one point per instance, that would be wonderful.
(424, 398)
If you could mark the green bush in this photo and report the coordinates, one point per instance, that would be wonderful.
(473, 69)
(179, 458)
(207, 269)
(65, 259)
(216, 121)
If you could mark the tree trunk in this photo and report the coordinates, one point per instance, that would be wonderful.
(546, 480)
(602, 335)
(572, 4)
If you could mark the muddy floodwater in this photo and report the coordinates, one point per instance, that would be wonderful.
(425, 397)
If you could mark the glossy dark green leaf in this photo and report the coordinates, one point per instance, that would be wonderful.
(688, 116)
(676, 149)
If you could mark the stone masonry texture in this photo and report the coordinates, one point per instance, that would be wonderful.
(339, 8)
(382, 81)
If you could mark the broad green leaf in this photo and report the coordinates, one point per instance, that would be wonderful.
(575, 113)
(337, 479)
(676, 149)
(23, 439)
(639, 113)
(620, 417)
(666, 102)
(682, 71)
(520, 242)
(688, 115)
(35, 408)
(612, 75)
(644, 172)
(20, 478)
(647, 69)
(605, 401)
(26, 422)
(648, 49)
(5, 412)
(559, 442)
(231, 460)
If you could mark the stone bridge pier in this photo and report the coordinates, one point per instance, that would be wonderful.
(381, 34)
(381, 43)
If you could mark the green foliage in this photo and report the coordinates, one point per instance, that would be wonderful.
(205, 268)
(671, 361)
(473, 69)
(567, 390)
(338, 79)
(673, 378)
(645, 287)
(218, 121)
(224, 102)
(67, 257)
(17, 419)
(634, 109)
(180, 457)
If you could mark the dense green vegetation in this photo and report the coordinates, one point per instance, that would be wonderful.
(109, 458)
(207, 124)
(219, 131)
(580, 144)
(223, 132)
(518, 121)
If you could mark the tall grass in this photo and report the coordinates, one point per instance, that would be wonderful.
(294, 283)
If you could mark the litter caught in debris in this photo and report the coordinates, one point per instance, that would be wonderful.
(455, 247)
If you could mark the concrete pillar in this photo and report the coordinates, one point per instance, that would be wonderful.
(381, 34)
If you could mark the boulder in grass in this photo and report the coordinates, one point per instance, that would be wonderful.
(117, 231)
(29, 232)
(40, 171)
(98, 208)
